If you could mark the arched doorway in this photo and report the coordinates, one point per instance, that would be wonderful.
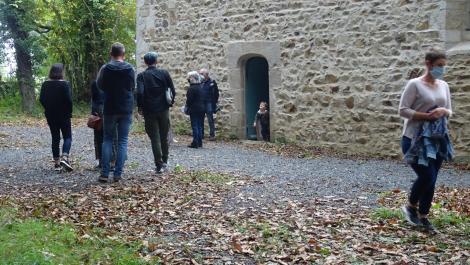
(256, 90)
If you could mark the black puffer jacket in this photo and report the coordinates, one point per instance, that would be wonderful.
(194, 99)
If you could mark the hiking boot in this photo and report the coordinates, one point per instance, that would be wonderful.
(64, 162)
(212, 138)
(159, 169)
(192, 146)
(117, 179)
(103, 179)
(57, 167)
(427, 225)
(411, 214)
(165, 167)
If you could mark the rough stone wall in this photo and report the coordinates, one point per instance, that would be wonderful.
(343, 63)
(458, 78)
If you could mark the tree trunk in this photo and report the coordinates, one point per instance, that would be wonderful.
(24, 72)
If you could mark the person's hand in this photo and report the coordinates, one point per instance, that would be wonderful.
(438, 113)
(254, 124)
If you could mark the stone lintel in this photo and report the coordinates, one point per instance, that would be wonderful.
(242, 50)
(460, 48)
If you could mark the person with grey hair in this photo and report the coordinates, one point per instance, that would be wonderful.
(152, 103)
(210, 95)
(195, 107)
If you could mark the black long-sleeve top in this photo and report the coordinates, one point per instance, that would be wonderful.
(56, 98)
(97, 99)
(151, 90)
(194, 99)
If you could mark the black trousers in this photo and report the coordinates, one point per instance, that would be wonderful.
(57, 127)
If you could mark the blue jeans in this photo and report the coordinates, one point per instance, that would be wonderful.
(210, 119)
(110, 123)
(197, 124)
(422, 191)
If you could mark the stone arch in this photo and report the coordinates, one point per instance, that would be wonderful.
(238, 53)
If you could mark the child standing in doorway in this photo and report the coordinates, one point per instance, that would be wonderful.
(262, 121)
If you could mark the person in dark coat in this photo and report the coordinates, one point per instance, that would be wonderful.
(210, 94)
(152, 85)
(56, 98)
(117, 80)
(195, 107)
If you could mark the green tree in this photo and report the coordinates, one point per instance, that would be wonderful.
(81, 34)
(16, 21)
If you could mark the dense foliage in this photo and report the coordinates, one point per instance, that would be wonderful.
(76, 33)
(17, 19)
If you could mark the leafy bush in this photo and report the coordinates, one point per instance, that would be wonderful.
(8, 88)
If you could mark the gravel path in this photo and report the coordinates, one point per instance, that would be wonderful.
(25, 160)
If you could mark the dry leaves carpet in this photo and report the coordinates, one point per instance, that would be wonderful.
(198, 218)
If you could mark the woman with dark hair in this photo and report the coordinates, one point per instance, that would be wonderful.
(56, 98)
(196, 109)
(425, 105)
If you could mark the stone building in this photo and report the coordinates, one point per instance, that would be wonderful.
(332, 70)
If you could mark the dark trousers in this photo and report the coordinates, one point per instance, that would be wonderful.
(265, 132)
(98, 140)
(157, 126)
(422, 191)
(210, 119)
(57, 127)
(197, 124)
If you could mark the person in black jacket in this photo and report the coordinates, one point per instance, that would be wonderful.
(195, 105)
(56, 98)
(152, 85)
(97, 102)
(117, 80)
(210, 94)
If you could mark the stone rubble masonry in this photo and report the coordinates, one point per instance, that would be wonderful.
(337, 68)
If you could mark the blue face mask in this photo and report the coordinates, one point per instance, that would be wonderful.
(437, 72)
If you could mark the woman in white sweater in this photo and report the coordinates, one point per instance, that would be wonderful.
(426, 98)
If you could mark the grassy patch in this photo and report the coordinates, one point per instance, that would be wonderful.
(37, 241)
(270, 236)
(444, 219)
(386, 214)
(138, 126)
(11, 110)
(178, 169)
(182, 128)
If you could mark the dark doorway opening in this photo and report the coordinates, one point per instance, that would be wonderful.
(256, 90)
